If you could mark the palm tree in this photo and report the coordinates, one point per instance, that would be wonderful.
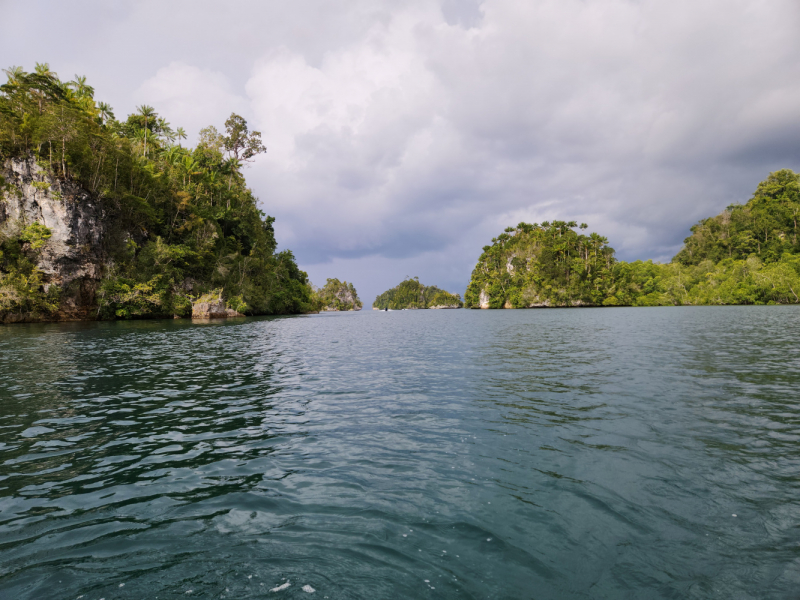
(106, 112)
(180, 134)
(15, 75)
(171, 154)
(211, 179)
(81, 89)
(140, 135)
(43, 69)
(166, 130)
(45, 75)
(190, 167)
(147, 112)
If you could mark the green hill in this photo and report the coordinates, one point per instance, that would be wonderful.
(749, 254)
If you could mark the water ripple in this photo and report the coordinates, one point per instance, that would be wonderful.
(471, 454)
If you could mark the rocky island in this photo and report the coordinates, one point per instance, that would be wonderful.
(336, 296)
(114, 219)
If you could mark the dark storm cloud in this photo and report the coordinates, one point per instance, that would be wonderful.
(404, 135)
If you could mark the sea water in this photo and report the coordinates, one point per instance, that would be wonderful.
(559, 453)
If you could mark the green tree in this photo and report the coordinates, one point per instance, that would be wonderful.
(149, 113)
(240, 142)
(180, 134)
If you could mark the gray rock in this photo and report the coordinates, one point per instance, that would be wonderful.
(484, 299)
(73, 257)
(212, 309)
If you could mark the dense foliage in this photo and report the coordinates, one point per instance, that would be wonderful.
(749, 254)
(337, 295)
(21, 285)
(765, 227)
(443, 299)
(412, 294)
(547, 264)
(182, 221)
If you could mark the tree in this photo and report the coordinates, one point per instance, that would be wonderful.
(241, 143)
(82, 90)
(165, 130)
(180, 134)
(106, 112)
(15, 75)
(148, 112)
(212, 139)
(43, 69)
(230, 168)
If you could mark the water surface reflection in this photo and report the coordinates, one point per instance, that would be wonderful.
(470, 454)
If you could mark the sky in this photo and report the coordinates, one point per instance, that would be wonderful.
(404, 135)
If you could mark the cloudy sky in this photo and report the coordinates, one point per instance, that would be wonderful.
(404, 135)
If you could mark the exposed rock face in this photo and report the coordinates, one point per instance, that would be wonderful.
(212, 309)
(510, 264)
(445, 306)
(484, 299)
(73, 257)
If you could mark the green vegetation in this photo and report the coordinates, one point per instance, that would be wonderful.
(443, 299)
(180, 221)
(749, 254)
(412, 294)
(22, 288)
(765, 227)
(337, 295)
(541, 265)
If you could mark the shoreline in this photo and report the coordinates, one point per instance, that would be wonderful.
(28, 320)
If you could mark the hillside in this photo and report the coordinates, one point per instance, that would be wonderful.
(749, 254)
(103, 218)
(411, 294)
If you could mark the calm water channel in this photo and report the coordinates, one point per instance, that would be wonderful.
(585, 453)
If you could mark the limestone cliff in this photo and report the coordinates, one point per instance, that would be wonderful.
(71, 259)
(347, 300)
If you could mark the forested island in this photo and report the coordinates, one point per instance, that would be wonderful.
(748, 254)
(106, 218)
(337, 295)
(411, 294)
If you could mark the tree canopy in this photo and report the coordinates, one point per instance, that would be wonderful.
(182, 221)
(765, 227)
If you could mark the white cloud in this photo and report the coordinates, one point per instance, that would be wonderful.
(190, 97)
(402, 136)
(637, 117)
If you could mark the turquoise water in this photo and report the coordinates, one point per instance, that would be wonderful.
(583, 453)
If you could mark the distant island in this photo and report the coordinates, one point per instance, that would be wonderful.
(337, 296)
(114, 219)
(748, 254)
(411, 294)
